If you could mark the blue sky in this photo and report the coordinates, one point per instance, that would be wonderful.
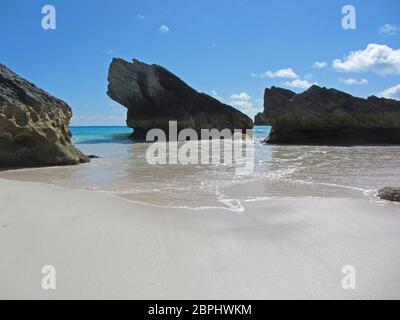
(231, 49)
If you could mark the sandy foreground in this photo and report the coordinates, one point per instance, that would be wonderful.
(104, 247)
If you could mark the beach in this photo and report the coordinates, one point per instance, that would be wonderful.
(160, 150)
(105, 247)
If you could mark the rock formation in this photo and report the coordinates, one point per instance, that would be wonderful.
(331, 117)
(154, 96)
(260, 120)
(390, 194)
(33, 125)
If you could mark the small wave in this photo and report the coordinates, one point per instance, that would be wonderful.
(345, 187)
(234, 204)
(199, 208)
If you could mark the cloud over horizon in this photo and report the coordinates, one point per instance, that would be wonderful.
(287, 73)
(299, 84)
(377, 58)
(391, 93)
(352, 81)
(243, 102)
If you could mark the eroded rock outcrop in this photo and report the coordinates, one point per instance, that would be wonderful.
(33, 125)
(154, 96)
(331, 117)
(390, 194)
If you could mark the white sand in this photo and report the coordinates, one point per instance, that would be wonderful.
(103, 247)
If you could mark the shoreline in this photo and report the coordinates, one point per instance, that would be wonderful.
(369, 195)
(103, 247)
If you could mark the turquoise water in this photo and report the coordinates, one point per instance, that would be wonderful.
(87, 135)
(120, 134)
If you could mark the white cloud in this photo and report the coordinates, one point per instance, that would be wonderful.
(215, 94)
(243, 105)
(140, 17)
(299, 84)
(281, 73)
(243, 96)
(163, 29)
(352, 81)
(319, 64)
(377, 58)
(289, 73)
(389, 29)
(243, 102)
(285, 73)
(391, 93)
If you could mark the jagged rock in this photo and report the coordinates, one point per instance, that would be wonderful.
(331, 117)
(390, 194)
(260, 120)
(33, 125)
(154, 96)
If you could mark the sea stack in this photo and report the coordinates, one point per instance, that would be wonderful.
(330, 117)
(154, 96)
(33, 126)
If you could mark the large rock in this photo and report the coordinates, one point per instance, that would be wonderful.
(390, 194)
(154, 96)
(332, 117)
(33, 125)
(260, 120)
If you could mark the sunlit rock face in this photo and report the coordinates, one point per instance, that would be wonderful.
(154, 96)
(330, 117)
(33, 125)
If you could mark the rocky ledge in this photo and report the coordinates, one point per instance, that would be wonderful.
(33, 126)
(390, 194)
(330, 117)
(154, 96)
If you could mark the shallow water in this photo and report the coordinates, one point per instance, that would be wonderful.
(280, 171)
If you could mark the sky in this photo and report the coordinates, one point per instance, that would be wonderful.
(231, 49)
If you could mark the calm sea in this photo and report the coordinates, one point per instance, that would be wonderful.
(280, 172)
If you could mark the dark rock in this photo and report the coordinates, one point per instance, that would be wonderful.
(33, 126)
(154, 96)
(92, 156)
(260, 120)
(390, 194)
(330, 117)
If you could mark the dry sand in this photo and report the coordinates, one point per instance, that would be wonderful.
(104, 247)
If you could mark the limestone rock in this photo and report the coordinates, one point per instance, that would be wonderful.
(154, 96)
(331, 117)
(33, 125)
